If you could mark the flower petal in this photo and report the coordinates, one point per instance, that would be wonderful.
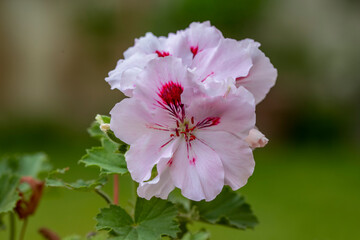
(160, 186)
(146, 152)
(199, 176)
(198, 37)
(262, 75)
(235, 154)
(159, 72)
(123, 77)
(148, 44)
(131, 119)
(236, 112)
(228, 59)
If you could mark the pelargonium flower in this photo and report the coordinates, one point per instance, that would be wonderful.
(212, 58)
(195, 140)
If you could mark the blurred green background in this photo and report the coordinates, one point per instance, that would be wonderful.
(54, 56)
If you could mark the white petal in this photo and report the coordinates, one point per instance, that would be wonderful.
(146, 152)
(129, 120)
(199, 36)
(160, 186)
(159, 72)
(148, 44)
(236, 112)
(262, 75)
(201, 178)
(236, 156)
(227, 60)
(123, 77)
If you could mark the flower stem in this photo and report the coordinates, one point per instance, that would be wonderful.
(116, 189)
(23, 229)
(103, 195)
(12, 226)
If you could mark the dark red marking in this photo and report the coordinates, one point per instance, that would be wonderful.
(208, 122)
(170, 94)
(162, 53)
(170, 162)
(194, 50)
(192, 120)
(192, 161)
(167, 143)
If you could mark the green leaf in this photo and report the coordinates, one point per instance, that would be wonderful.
(34, 165)
(153, 219)
(8, 192)
(80, 185)
(106, 157)
(201, 235)
(178, 199)
(229, 209)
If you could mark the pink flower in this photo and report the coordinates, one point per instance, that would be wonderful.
(195, 140)
(212, 58)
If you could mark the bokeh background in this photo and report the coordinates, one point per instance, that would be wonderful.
(54, 56)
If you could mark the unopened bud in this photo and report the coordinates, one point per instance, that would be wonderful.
(256, 139)
(105, 127)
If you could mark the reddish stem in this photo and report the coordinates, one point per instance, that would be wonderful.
(116, 189)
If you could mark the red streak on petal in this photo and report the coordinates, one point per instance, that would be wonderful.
(162, 54)
(194, 50)
(166, 143)
(207, 76)
(238, 79)
(192, 161)
(170, 162)
(208, 122)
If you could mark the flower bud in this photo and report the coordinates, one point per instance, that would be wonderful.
(256, 139)
(27, 204)
(105, 127)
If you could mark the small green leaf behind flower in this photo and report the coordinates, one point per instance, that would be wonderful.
(109, 157)
(153, 219)
(229, 209)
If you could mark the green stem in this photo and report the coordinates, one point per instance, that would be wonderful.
(116, 189)
(12, 226)
(103, 195)
(23, 229)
